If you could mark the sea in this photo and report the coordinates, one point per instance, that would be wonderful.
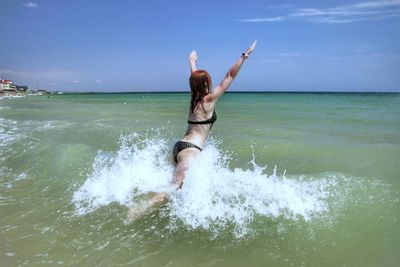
(285, 179)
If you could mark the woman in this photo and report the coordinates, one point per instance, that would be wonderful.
(202, 112)
(201, 118)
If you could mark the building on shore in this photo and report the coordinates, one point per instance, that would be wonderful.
(41, 92)
(8, 88)
(6, 84)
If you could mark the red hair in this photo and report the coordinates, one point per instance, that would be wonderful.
(200, 85)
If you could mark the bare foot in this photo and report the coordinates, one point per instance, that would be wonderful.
(141, 209)
(137, 212)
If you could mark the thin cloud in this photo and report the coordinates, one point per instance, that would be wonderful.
(364, 48)
(362, 11)
(360, 58)
(377, 4)
(30, 4)
(273, 19)
(281, 6)
(295, 54)
(54, 74)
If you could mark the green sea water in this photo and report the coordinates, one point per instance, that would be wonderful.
(285, 179)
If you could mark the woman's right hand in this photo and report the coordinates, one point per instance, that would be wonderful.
(193, 56)
(251, 48)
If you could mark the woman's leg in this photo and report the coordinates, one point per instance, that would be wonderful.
(184, 159)
(141, 209)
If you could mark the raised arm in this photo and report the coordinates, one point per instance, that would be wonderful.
(232, 72)
(192, 61)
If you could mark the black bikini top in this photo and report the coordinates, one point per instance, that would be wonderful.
(208, 121)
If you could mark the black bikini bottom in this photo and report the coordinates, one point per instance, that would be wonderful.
(181, 145)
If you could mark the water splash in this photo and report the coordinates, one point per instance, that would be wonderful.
(213, 195)
(140, 166)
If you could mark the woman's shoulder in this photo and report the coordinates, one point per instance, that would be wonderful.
(208, 103)
(210, 99)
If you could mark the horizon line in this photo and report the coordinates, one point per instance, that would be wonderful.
(228, 92)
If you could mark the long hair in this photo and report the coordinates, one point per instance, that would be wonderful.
(200, 85)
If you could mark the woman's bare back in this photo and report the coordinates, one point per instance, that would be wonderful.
(198, 133)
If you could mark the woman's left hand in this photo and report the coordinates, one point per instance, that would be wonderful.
(193, 56)
(251, 48)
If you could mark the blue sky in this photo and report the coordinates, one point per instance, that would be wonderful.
(143, 45)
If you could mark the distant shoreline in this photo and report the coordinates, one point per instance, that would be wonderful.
(229, 92)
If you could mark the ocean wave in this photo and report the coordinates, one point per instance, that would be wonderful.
(12, 97)
(12, 130)
(9, 131)
(12, 178)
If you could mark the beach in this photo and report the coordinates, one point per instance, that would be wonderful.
(285, 179)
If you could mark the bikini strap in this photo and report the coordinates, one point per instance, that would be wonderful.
(208, 121)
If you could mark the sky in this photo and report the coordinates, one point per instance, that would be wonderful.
(109, 46)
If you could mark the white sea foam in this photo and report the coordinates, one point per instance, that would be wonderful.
(139, 167)
(8, 131)
(212, 196)
(11, 130)
(13, 96)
